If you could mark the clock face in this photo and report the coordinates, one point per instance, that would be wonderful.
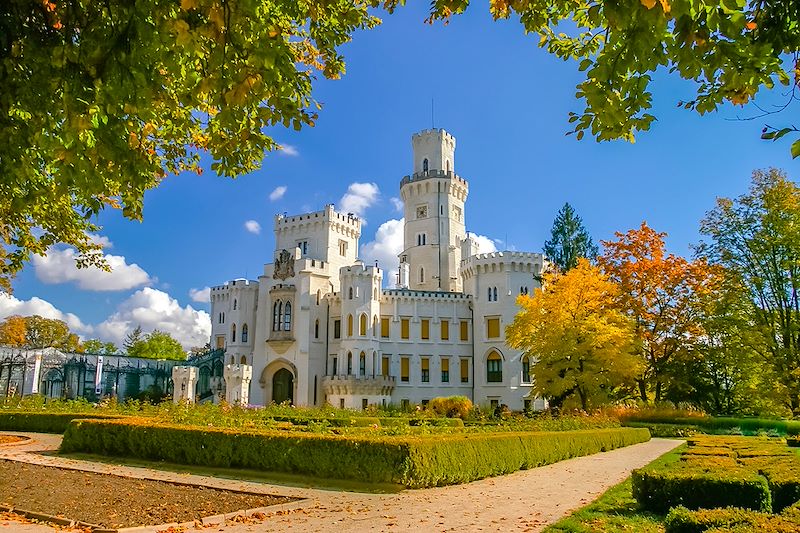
(422, 211)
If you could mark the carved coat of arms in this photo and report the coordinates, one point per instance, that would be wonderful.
(284, 265)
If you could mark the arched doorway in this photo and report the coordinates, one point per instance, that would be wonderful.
(283, 386)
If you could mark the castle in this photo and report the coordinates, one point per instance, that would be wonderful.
(318, 327)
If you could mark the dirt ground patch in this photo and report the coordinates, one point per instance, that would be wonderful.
(113, 501)
(11, 439)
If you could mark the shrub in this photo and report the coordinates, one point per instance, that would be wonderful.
(451, 406)
(413, 461)
(658, 489)
(682, 520)
(43, 422)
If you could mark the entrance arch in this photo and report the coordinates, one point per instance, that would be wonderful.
(283, 386)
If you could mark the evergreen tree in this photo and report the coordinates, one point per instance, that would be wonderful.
(569, 240)
(133, 342)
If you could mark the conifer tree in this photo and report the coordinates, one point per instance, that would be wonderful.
(569, 240)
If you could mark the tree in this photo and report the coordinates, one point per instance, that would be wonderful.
(160, 345)
(133, 342)
(569, 240)
(36, 332)
(582, 345)
(13, 331)
(657, 291)
(96, 346)
(757, 238)
(730, 49)
(101, 101)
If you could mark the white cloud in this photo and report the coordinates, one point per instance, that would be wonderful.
(9, 305)
(359, 197)
(200, 295)
(277, 193)
(102, 240)
(153, 309)
(59, 266)
(397, 203)
(253, 227)
(385, 248)
(288, 149)
(485, 244)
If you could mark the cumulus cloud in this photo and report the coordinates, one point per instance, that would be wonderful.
(200, 295)
(397, 203)
(359, 197)
(485, 244)
(253, 227)
(153, 309)
(288, 149)
(277, 193)
(9, 305)
(385, 248)
(101, 240)
(59, 266)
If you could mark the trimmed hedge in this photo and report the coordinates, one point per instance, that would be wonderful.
(658, 489)
(410, 461)
(729, 519)
(44, 422)
(749, 425)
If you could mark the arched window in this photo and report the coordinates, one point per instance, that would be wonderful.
(287, 317)
(375, 293)
(316, 329)
(494, 293)
(319, 295)
(425, 165)
(448, 165)
(490, 294)
(362, 325)
(421, 274)
(244, 332)
(243, 360)
(362, 364)
(349, 363)
(234, 304)
(350, 293)
(375, 326)
(233, 332)
(349, 325)
(277, 309)
(526, 369)
(494, 368)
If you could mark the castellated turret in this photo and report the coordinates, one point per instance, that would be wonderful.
(361, 311)
(433, 200)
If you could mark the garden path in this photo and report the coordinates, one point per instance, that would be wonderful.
(523, 501)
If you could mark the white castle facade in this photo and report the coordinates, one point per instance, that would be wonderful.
(319, 327)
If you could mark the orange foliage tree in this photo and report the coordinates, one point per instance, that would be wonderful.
(658, 291)
(13, 331)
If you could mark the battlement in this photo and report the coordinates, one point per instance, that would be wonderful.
(438, 132)
(421, 176)
(507, 261)
(425, 295)
(237, 283)
(329, 214)
(360, 270)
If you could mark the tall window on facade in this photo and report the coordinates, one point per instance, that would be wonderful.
(445, 370)
(404, 322)
(350, 293)
(334, 366)
(385, 366)
(342, 248)
(277, 309)
(421, 275)
(464, 371)
(494, 293)
(526, 369)
(316, 329)
(337, 329)
(362, 364)
(244, 332)
(425, 370)
(404, 369)
(464, 331)
(303, 245)
(422, 239)
(385, 327)
(425, 165)
(494, 368)
(349, 325)
(243, 360)
(493, 328)
(234, 304)
(233, 332)
(362, 325)
(287, 317)
(490, 293)
(445, 324)
(425, 329)
(349, 363)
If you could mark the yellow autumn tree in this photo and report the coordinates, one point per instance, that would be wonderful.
(13, 331)
(583, 346)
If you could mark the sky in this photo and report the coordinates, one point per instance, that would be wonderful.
(505, 100)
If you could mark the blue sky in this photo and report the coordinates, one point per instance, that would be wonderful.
(507, 103)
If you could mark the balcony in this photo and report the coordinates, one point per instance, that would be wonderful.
(353, 384)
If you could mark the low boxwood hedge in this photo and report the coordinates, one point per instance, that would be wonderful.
(683, 520)
(43, 422)
(413, 461)
(710, 424)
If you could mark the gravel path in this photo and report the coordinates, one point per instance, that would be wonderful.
(523, 501)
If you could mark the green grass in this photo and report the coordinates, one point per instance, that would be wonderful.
(616, 510)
